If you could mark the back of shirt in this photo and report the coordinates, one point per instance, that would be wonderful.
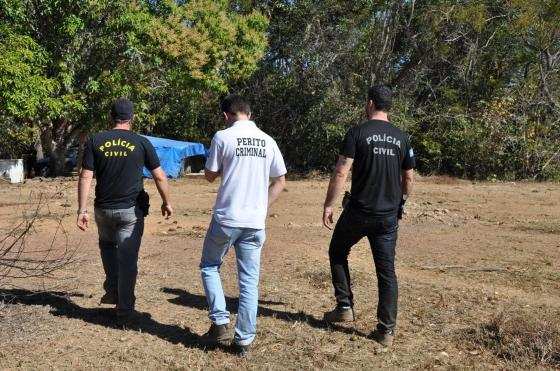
(247, 158)
(380, 152)
(118, 157)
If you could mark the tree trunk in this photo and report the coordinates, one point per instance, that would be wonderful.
(57, 161)
(55, 139)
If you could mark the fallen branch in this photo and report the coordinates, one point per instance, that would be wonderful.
(462, 268)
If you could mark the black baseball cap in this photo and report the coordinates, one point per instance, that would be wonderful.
(122, 110)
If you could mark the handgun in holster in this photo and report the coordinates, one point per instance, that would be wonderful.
(346, 199)
(143, 202)
(401, 209)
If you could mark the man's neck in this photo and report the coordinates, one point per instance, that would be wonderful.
(122, 127)
(239, 118)
(378, 115)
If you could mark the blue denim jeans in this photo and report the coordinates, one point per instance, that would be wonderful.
(248, 244)
(120, 235)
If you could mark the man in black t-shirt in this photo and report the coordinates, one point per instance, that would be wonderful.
(382, 163)
(118, 157)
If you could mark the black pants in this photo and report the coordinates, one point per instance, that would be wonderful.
(382, 235)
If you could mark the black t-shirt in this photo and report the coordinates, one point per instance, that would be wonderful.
(380, 152)
(118, 158)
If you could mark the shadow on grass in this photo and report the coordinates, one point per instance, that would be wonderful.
(191, 300)
(63, 306)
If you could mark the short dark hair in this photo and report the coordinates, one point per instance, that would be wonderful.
(381, 96)
(234, 104)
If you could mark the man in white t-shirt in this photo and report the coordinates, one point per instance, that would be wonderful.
(252, 176)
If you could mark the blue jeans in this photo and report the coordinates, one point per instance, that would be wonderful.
(248, 243)
(120, 235)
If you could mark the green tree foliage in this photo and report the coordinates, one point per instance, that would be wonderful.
(77, 56)
(477, 82)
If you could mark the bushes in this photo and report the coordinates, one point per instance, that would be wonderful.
(477, 83)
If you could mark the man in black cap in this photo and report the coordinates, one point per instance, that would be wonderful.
(382, 176)
(118, 157)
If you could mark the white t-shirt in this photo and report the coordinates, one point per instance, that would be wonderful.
(247, 158)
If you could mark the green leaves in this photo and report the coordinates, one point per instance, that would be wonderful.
(62, 62)
(23, 84)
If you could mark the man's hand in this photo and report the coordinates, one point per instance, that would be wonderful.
(276, 187)
(166, 210)
(211, 175)
(336, 185)
(402, 208)
(163, 188)
(84, 184)
(328, 213)
(83, 221)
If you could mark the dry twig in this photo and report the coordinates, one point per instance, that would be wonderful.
(20, 259)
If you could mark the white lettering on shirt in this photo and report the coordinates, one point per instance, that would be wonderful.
(383, 138)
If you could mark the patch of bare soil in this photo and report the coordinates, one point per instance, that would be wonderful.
(478, 271)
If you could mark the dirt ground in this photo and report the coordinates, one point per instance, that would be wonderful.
(466, 253)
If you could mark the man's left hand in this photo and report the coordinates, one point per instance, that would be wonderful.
(166, 210)
(328, 213)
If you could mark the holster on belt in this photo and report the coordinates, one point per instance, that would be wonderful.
(346, 199)
(143, 202)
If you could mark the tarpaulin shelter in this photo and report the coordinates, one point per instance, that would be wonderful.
(172, 154)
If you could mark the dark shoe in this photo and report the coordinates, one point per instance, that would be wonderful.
(385, 338)
(241, 350)
(217, 334)
(339, 314)
(109, 298)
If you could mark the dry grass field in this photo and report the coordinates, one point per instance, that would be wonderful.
(478, 267)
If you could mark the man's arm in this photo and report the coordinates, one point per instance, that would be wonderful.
(84, 186)
(336, 185)
(213, 166)
(210, 175)
(407, 181)
(276, 187)
(163, 188)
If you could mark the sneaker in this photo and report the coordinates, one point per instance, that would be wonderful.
(385, 338)
(339, 314)
(217, 334)
(109, 298)
(241, 350)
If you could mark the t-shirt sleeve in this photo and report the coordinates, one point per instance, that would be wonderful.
(88, 161)
(348, 147)
(409, 161)
(277, 166)
(214, 160)
(151, 159)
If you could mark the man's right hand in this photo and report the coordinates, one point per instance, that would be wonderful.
(166, 210)
(83, 221)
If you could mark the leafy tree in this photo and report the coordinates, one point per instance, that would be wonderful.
(476, 82)
(161, 54)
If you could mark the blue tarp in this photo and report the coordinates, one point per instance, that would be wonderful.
(172, 154)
